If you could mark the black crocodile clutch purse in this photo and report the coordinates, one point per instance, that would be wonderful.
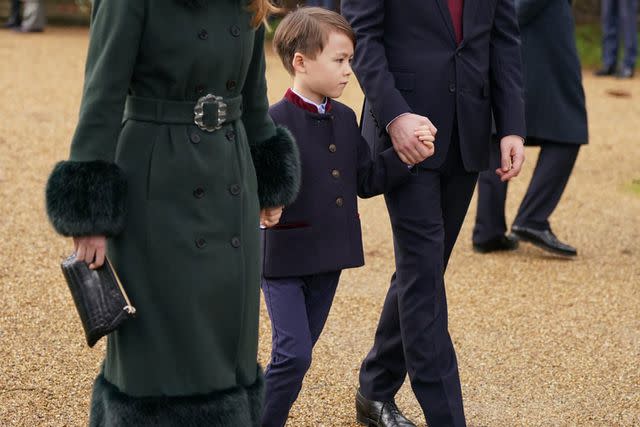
(99, 297)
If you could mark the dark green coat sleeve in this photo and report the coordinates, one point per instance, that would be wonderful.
(85, 195)
(275, 154)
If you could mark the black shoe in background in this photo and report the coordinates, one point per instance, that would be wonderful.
(544, 239)
(605, 71)
(372, 413)
(500, 243)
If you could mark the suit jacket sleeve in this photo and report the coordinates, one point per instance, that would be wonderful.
(85, 195)
(370, 61)
(380, 174)
(274, 152)
(527, 10)
(507, 95)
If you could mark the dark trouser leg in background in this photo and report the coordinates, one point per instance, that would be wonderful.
(610, 29)
(412, 335)
(492, 195)
(549, 180)
(298, 308)
(15, 19)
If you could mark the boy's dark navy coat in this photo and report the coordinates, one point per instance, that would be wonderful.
(320, 231)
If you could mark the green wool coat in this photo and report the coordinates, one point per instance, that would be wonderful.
(180, 204)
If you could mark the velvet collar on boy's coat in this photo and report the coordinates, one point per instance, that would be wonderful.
(296, 100)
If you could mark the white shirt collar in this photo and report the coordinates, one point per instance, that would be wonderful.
(322, 108)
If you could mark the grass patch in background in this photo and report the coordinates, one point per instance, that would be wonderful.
(589, 42)
(635, 187)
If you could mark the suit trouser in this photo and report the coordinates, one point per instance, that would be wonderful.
(619, 21)
(298, 308)
(549, 180)
(34, 16)
(412, 335)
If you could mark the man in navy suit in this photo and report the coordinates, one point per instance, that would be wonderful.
(449, 64)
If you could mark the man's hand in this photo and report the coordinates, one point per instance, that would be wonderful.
(402, 131)
(512, 157)
(91, 249)
(270, 216)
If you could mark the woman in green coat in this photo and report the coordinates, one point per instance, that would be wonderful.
(173, 120)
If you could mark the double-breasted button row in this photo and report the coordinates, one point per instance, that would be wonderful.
(339, 202)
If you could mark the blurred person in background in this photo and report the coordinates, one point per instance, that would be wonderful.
(619, 21)
(34, 18)
(556, 120)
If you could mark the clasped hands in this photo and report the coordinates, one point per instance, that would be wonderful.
(413, 138)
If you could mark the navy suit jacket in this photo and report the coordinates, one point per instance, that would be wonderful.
(407, 60)
(320, 232)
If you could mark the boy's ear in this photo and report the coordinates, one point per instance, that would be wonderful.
(298, 63)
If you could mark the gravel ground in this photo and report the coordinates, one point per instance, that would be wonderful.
(541, 341)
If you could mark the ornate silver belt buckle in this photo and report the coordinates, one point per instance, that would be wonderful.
(221, 112)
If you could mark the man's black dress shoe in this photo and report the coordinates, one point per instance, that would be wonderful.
(500, 243)
(625, 73)
(605, 71)
(372, 413)
(544, 239)
(11, 24)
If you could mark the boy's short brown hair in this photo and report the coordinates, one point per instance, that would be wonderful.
(306, 30)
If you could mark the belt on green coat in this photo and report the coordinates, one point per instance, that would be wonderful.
(209, 113)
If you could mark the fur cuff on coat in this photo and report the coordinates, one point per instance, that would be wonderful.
(238, 407)
(86, 198)
(277, 164)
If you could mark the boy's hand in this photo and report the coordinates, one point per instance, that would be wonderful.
(270, 216)
(427, 138)
(91, 249)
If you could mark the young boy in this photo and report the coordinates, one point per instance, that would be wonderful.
(319, 234)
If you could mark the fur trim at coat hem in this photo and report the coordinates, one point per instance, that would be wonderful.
(236, 407)
(86, 198)
(277, 164)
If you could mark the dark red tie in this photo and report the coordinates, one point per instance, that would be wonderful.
(455, 7)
